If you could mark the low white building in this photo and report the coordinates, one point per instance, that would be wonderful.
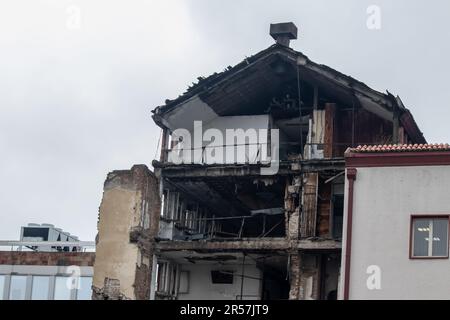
(47, 263)
(396, 223)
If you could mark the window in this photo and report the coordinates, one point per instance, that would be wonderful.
(167, 278)
(161, 276)
(2, 286)
(170, 205)
(40, 286)
(184, 282)
(18, 287)
(84, 291)
(222, 276)
(62, 288)
(429, 237)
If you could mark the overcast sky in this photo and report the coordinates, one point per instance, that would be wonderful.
(78, 80)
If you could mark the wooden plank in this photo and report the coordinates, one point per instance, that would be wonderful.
(329, 129)
(309, 205)
(324, 209)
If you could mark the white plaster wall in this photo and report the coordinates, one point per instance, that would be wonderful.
(184, 116)
(384, 200)
(231, 153)
(201, 287)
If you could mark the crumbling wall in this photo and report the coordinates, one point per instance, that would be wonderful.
(304, 274)
(309, 205)
(291, 206)
(295, 274)
(324, 209)
(128, 223)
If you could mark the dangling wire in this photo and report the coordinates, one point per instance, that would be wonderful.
(300, 109)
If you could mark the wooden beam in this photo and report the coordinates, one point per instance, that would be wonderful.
(258, 244)
(330, 109)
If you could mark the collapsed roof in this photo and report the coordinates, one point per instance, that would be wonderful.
(248, 87)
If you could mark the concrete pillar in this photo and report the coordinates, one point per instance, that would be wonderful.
(291, 205)
(295, 271)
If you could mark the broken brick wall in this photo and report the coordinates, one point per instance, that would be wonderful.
(291, 206)
(128, 223)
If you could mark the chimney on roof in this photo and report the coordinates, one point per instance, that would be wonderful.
(283, 32)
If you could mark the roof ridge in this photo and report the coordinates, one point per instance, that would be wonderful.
(383, 148)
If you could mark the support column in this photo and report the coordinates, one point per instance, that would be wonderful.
(292, 207)
(304, 276)
(295, 275)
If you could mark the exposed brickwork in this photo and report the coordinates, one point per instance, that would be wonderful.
(47, 258)
(143, 281)
(291, 205)
(295, 272)
(138, 204)
(110, 291)
(309, 205)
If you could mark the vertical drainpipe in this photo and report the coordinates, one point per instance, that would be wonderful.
(351, 176)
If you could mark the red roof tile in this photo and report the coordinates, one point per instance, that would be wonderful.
(400, 148)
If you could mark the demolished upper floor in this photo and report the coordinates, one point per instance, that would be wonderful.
(317, 111)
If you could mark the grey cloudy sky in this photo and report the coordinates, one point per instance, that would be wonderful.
(75, 102)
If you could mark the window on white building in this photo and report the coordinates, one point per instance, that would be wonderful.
(63, 288)
(430, 237)
(18, 288)
(40, 287)
(167, 278)
(84, 291)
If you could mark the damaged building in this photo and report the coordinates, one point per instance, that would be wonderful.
(213, 220)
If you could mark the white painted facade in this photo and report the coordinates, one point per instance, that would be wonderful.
(384, 200)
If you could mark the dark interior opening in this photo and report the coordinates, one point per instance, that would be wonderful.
(338, 215)
(222, 276)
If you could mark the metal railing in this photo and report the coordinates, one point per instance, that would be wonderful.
(214, 228)
(188, 156)
(47, 246)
